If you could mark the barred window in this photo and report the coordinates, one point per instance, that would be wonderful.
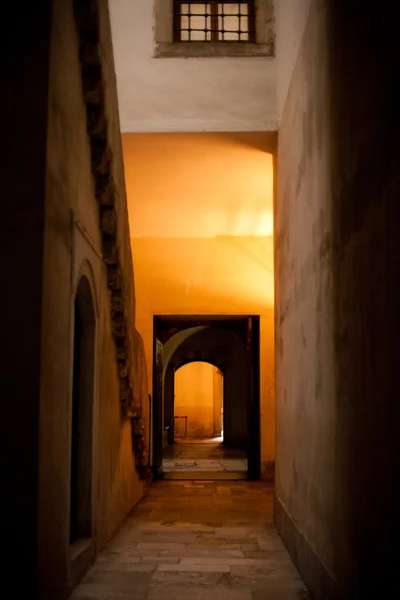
(210, 21)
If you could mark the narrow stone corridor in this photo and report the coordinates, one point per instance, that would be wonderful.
(196, 540)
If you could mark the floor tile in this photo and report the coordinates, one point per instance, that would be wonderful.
(180, 544)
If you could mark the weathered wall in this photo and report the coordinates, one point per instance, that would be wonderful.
(337, 303)
(210, 276)
(73, 246)
(194, 398)
(290, 20)
(185, 94)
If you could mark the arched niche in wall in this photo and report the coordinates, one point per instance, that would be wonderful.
(82, 412)
(86, 274)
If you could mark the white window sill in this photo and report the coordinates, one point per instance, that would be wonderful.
(212, 50)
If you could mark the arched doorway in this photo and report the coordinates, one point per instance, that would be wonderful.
(82, 414)
(198, 401)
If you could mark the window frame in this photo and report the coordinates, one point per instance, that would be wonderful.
(166, 47)
(251, 7)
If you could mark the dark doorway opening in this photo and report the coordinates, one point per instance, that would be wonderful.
(82, 414)
(231, 344)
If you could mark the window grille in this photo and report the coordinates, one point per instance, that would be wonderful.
(210, 21)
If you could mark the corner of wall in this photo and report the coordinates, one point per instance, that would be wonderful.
(314, 573)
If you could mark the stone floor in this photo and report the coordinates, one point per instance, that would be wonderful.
(203, 455)
(196, 541)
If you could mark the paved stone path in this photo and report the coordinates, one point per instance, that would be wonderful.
(203, 455)
(196, 541)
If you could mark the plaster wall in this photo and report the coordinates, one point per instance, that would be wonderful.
(185, 185)
(194, 398)
(290, 22)
(185, 94)
(337, 299)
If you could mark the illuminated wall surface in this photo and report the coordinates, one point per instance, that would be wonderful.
(201, 221)
(194, 399)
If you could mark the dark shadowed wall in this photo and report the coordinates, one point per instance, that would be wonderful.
(337, 301)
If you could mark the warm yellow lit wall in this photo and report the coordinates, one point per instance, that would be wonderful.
(201, 221)
(194, 399)
(210, 276)
(199, 185)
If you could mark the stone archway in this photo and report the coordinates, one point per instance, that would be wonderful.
(227, 353)
(198, 400)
